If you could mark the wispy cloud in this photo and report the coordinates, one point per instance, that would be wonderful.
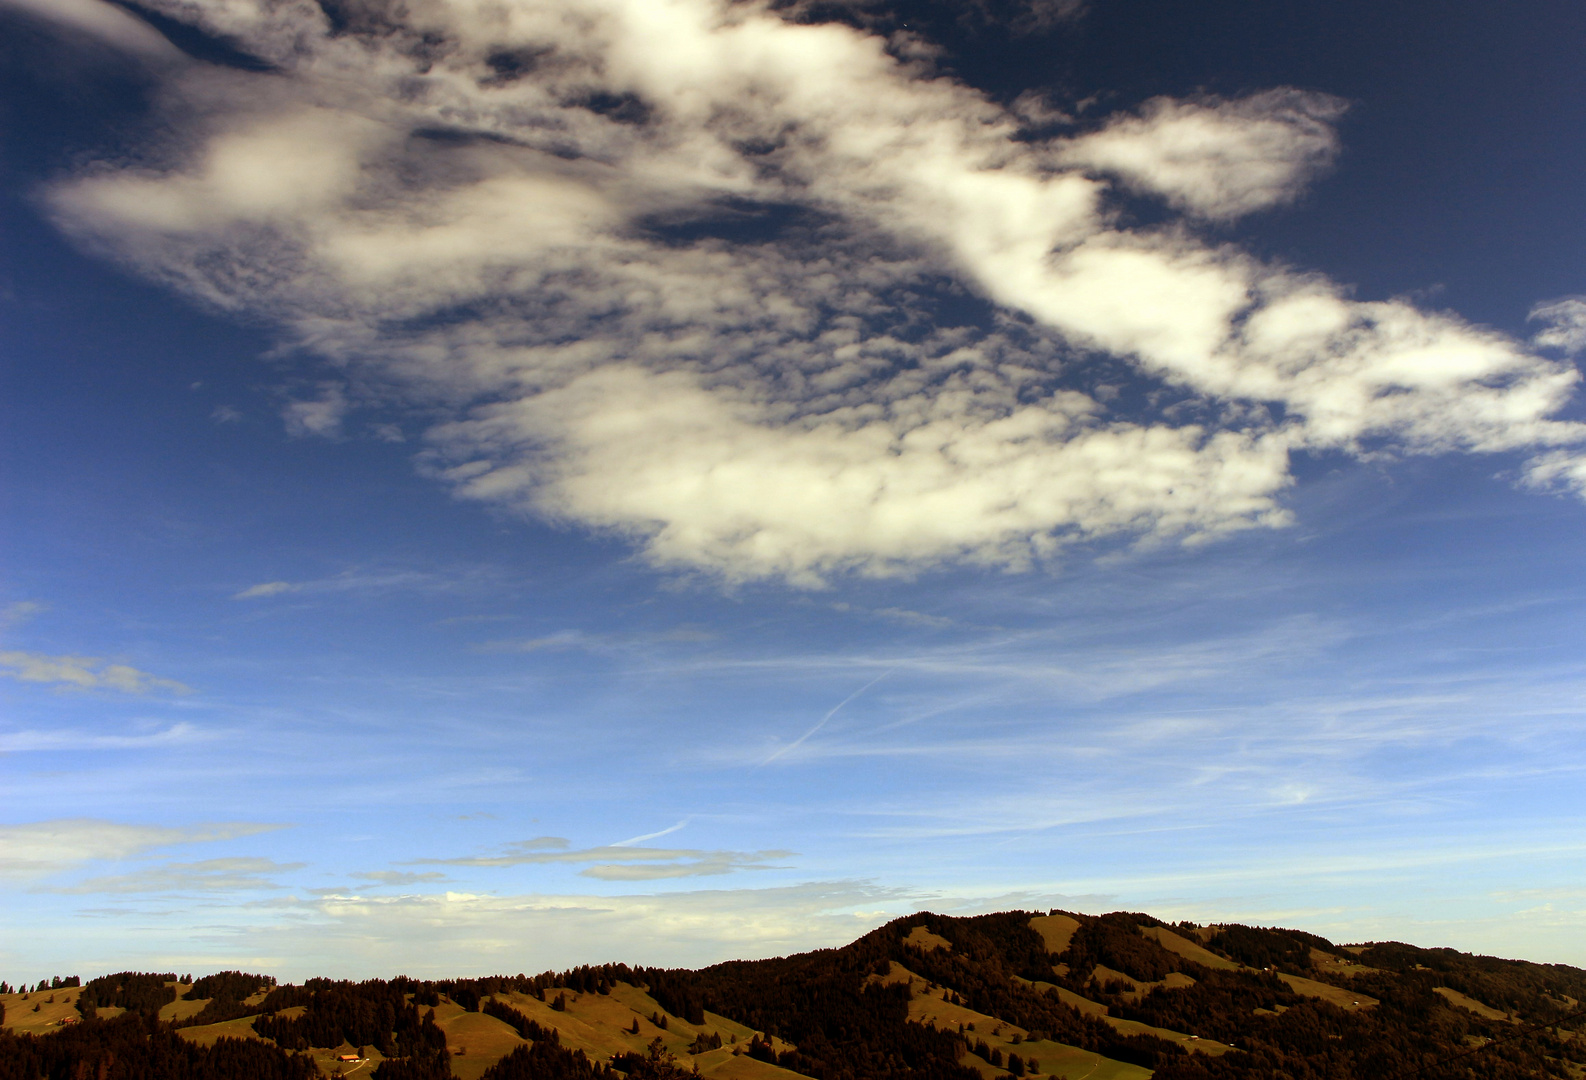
(905, 616)
(320, 416)
(36, 849)
(375, 580)
(835, 709)
(19, 612)
(399, 877)
(668, 831)
(593, 642)
(85, 673)
(621, 862)
(33, 741)
(1566, 324)
(104, 22)
(204, 876)
(267, 588)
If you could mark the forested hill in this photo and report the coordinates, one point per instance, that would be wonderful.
(928, 997)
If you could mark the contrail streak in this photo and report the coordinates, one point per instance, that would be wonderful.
(649, 836)
(796, 743)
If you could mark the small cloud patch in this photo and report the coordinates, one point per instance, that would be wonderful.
(85, 673)
(268, 588)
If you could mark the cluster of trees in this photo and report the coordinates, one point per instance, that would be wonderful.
(701, 1044)
(141, 992)
(225, 995)
(523, 1025)
(373, 1013)
(421, 1053)
(1286, 950)
(545, 1060)
(677, 996)
(656, 1063)
(1115, 941)
(134, 1047)
(57, 983)
(227, 986)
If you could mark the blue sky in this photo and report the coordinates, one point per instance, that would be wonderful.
(516, 485)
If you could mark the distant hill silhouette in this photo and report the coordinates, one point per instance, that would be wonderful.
(1017, 994)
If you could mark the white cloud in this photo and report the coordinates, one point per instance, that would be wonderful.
(320, 416)
(1217, 158)
(485, 236)
(41, 848)
(1566, 324)
(85, 673)
(380, 579)
(266, 588)
(708, 481)
(1558, 471)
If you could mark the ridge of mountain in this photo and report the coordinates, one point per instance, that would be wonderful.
(1122, 996)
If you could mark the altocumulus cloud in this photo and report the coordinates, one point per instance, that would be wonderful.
(510, 213)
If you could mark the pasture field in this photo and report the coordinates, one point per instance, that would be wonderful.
(1344, 999)
(39, 1011)
(181, 1008)
(206, 1034)
(922, 939)
(1454, 997)
(476, 1041)
(1068, 997)
(1188, 1042)
(1056, 930)
(1189, 950)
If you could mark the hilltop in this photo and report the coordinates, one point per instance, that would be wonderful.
(928, 997)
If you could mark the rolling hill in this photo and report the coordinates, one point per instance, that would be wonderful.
(1055, 995)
